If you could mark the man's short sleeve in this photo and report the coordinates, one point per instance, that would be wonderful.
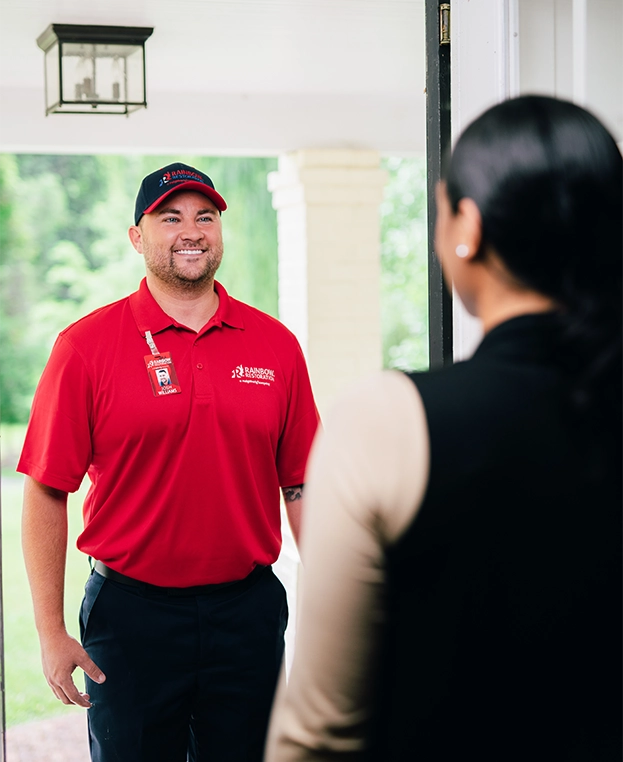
(300, 428)
(57, 450)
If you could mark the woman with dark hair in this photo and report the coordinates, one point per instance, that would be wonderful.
(462, 540)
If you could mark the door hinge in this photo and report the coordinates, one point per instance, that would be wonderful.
(444, 24)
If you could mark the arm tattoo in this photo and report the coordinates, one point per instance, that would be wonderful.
(290, 494)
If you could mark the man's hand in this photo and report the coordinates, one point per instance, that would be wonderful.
(44, 539)
(60, 655)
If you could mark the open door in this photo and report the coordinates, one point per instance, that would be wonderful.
(438, 142)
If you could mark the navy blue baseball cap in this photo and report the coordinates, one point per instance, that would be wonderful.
(174, 177)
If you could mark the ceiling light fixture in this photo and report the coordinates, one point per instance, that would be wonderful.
(94, 69)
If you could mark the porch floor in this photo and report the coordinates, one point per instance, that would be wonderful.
(56, 739)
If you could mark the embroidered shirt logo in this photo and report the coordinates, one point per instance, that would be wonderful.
(247, 375)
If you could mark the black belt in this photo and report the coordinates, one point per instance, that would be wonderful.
(116, 576)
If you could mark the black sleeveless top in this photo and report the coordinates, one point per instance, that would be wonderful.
(504, 595)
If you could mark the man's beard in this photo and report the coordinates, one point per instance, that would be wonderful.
(186, 278)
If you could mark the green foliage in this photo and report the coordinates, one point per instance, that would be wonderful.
(64, 249)
(17, 290)
(81, 182)
(8, 175)
(251, 232)
(404, 268)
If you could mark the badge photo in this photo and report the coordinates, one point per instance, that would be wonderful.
(162, 375)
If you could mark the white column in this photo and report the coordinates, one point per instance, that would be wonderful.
(484, 71)
(327, 204)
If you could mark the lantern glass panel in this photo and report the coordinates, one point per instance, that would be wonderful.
(136, 76)
(52, 76)
(79, 82)
(103, 74)
(111, 73)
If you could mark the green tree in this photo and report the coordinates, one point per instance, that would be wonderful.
(404, 267)
(64, 249)
(85, 180)
(17, 293)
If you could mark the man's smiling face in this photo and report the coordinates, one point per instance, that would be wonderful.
(181, 240)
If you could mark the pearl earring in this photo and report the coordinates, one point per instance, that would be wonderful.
(462, 250)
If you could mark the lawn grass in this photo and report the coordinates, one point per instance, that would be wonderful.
(28, 696)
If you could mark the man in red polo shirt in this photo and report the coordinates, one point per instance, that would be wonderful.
(182, 621)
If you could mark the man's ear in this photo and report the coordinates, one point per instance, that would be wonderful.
(136, 238)
(471, 226)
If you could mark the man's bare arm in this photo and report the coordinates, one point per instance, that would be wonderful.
(293, 499)
(44, 541)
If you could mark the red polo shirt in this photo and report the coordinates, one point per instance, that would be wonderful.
(184, 485)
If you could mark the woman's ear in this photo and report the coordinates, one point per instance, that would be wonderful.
(470, 226)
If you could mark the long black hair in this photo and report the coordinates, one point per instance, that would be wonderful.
(547, 177)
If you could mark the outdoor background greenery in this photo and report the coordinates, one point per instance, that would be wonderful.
(64, 251)
(64, 248)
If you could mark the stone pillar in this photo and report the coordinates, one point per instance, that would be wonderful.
(327, 204)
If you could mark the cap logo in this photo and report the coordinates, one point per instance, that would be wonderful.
(166, 180)
(180, 176)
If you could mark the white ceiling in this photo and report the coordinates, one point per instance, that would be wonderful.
(232, 76)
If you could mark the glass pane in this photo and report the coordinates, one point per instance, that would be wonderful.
(78, 72)
(52, 77)
(136, 77)
(105, 73)
(110, 78)
(114, 83)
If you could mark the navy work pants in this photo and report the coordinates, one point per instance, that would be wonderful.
(186, 677)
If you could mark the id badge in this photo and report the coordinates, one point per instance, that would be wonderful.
(162, 375)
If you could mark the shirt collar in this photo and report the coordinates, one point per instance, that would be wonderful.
(228, 310)
(149, 315)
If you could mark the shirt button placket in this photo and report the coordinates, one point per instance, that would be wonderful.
(203, 387)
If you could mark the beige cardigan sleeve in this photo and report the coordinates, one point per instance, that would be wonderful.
(367, 477)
